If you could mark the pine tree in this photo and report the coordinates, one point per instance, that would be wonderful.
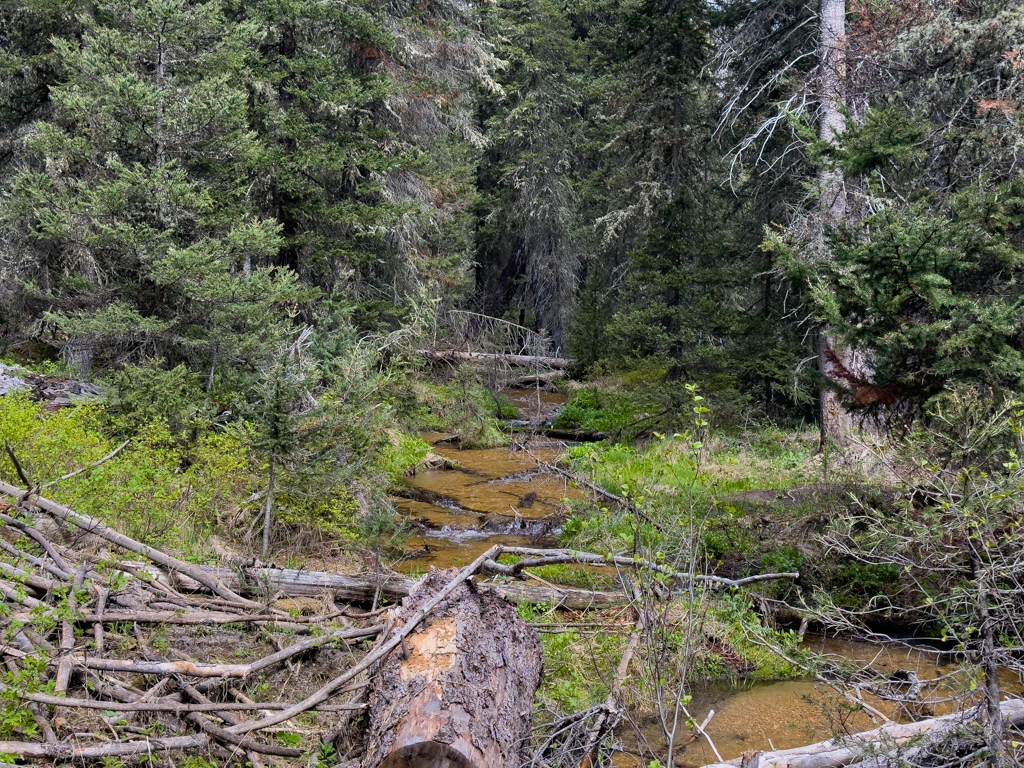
(133, 200)
(924, 279)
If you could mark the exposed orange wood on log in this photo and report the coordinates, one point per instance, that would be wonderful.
(461, 689)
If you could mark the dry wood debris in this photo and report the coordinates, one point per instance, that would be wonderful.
(80, 638)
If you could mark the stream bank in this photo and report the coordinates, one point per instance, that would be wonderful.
(498, 495)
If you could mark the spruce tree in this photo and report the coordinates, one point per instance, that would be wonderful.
(133, 200)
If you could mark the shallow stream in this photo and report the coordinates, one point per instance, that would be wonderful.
(498, 496)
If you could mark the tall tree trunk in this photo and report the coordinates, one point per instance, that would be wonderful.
(836, 422)
(267, 508)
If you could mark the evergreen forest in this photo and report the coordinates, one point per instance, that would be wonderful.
(696, 326)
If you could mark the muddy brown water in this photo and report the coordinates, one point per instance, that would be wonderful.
(498, 496)
(762, 716)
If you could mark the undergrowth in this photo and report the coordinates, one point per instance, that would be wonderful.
(174, 493)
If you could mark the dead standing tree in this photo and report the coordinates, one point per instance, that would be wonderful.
(961, 558)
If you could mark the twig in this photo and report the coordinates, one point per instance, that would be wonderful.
(86, 468)
(165, 705)
(17, 467)
(30, 531)
(36, 561)
(702, 732)
(250, 745)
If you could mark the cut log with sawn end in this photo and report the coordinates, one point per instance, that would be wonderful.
(458, 693)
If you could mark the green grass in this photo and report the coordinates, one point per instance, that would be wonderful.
(767, 459)
(463, 407)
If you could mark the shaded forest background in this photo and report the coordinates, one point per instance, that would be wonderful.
(193, 182)
(249, 215)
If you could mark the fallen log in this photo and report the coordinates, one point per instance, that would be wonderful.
(173, 707)
(836, 753)
(572, 435)
(192, 669)
(395, 639)
(361, 589)
(460, 692)
(529, 361)
(114, 749)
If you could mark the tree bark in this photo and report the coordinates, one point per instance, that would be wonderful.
(836, 423)
(459, 689)
(989, 662)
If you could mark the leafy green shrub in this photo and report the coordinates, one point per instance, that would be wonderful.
(154, 490)
(598, 410)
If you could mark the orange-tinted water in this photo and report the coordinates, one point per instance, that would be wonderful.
(780, 715)
(497, 495)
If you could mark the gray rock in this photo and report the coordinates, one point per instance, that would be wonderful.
(9, 382)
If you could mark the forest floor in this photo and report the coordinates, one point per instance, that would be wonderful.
(732, 502)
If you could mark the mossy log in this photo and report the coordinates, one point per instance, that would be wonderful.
(458, 693)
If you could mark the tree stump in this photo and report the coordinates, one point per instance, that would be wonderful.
(459, 692)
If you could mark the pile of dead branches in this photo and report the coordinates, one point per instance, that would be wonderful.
(91, 676)
(95, 653)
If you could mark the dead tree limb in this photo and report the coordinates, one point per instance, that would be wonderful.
(362, 588)
(541, 557)
(110, 749)
(28, 579)
(35, 561)
(837, 753)
(250, 745)
(67, 644)
(529, 361)
(87, 467)
(165, 705)
(32, 533)
(89, 525)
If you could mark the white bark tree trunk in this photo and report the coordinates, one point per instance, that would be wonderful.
(836, 421)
